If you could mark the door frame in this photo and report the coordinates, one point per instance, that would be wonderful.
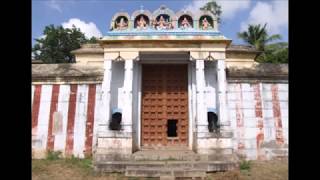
(191, 102)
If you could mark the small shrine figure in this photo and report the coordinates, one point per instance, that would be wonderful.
(122, 24)
(185, 23)
(154, 24)
(170, 26)
(142, 24)
(205, 24)
(162, 24)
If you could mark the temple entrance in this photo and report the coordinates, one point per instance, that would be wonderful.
(164, 111)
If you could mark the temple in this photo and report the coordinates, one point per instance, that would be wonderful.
(162, 86)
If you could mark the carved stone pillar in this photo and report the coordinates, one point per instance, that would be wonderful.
(127, 109)
(106, 84)
(200, 88)
(222, 99)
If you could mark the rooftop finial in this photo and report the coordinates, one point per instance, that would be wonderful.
(184, 10)
(163, 7)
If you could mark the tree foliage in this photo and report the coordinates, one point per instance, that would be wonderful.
(258, 36)
(57, 44)
(92, 40)
(214, 8)
(275, 53)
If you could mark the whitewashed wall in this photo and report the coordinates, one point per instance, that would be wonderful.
(259, 117)
(72, 131)
(258, 113)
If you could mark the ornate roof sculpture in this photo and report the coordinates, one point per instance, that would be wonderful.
(164, 24)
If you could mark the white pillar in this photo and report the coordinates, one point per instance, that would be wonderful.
(201, 107)
(106, 84)
(222, 101)
(215, 24)
(127, 109)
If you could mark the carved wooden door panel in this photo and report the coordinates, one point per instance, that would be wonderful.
(164, 113)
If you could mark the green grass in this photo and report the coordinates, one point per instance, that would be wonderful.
(84, 165)
(53, 155)
(245, 165)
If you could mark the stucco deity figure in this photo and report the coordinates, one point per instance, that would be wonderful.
(162, 24)
(122, 24)
(154, 24)
(170, 26)
(185, 23)
(205, 24)
(142, 24)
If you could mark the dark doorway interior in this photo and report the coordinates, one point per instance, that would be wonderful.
(115, 123)
(172, 128)
(212, 122)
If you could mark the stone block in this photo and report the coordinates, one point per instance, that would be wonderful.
(114, 145)
(167, 178)
(213, 143)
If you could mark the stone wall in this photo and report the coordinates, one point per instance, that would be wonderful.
(258, 110)
(67, 108)
(259, 118)
(64, 118)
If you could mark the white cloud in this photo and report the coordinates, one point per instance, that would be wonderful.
(54, 5)
(229, 7)
(89, 29)
(195, 5)
(274, 13)
(42, 36)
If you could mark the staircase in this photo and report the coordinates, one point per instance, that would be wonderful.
(168, 163)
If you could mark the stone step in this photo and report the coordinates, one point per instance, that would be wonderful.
(206, 166)
(192, 157)
(164, 155)
(153, 155)
(140, 157)
(120, 166)
(156, 163)
(158, 172)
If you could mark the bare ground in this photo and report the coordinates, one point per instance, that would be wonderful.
(259, 170)
(64, 169)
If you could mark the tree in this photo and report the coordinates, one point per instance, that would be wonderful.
(57, 44)
(214, 8)
(257, 36)
(92, 40)
(276, 53)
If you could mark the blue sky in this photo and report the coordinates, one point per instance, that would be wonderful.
(93, 16)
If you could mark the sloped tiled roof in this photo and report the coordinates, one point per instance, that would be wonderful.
(89, 48)
(96, 49)
(66, 72)
(261, 71)
(242, 48)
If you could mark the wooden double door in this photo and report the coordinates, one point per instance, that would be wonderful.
(164, 113)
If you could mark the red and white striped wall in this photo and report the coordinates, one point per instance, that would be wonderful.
(259, 117)
(63, 118)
